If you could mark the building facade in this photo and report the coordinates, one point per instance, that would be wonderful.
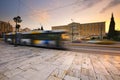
(22, 29)
(5, 27)
(77, 31)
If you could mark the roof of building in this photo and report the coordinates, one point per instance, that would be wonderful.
(79, 23)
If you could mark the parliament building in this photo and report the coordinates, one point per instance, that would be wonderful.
(77, 31)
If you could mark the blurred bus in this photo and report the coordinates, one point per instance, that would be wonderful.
(50, 38)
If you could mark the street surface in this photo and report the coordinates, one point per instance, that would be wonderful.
(31, 63)
(95, 48)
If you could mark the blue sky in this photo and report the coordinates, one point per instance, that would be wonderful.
(59, 12)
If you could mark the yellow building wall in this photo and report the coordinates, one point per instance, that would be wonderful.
(79, 31)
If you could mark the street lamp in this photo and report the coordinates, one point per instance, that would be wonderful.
(72, 30)
(72, 33)
(17, 26)
(101, 36)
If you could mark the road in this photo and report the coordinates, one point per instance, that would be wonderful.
(92, 48)
(95, 49)
(31, 63)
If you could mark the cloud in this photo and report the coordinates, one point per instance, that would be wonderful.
(41, 16)
(113, 3)
(87, 3)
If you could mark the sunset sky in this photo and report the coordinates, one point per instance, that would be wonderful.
(59, 12)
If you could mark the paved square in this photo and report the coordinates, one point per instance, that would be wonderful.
(30, 63)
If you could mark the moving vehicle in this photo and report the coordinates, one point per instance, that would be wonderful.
(49, 38)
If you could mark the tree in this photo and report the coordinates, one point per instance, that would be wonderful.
(39, 29)
(17, 20)
(111, 32)
(42, 28)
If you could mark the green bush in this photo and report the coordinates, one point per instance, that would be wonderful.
(116, 38)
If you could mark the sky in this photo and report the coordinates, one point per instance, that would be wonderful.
(47, 13)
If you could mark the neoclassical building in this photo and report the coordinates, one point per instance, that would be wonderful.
(5, 27)
(78, 31)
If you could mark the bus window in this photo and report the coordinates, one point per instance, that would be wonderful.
(65, 37)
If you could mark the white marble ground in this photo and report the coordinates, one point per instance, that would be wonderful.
(30, 63)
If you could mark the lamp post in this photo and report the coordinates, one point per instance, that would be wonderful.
(72, 30)
(17, 26)
(101, 36)
(72, 33)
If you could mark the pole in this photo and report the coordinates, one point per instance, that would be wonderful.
(101, 33)
(15, 35)
(72, 34)
(72, 31)
(17, 20)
